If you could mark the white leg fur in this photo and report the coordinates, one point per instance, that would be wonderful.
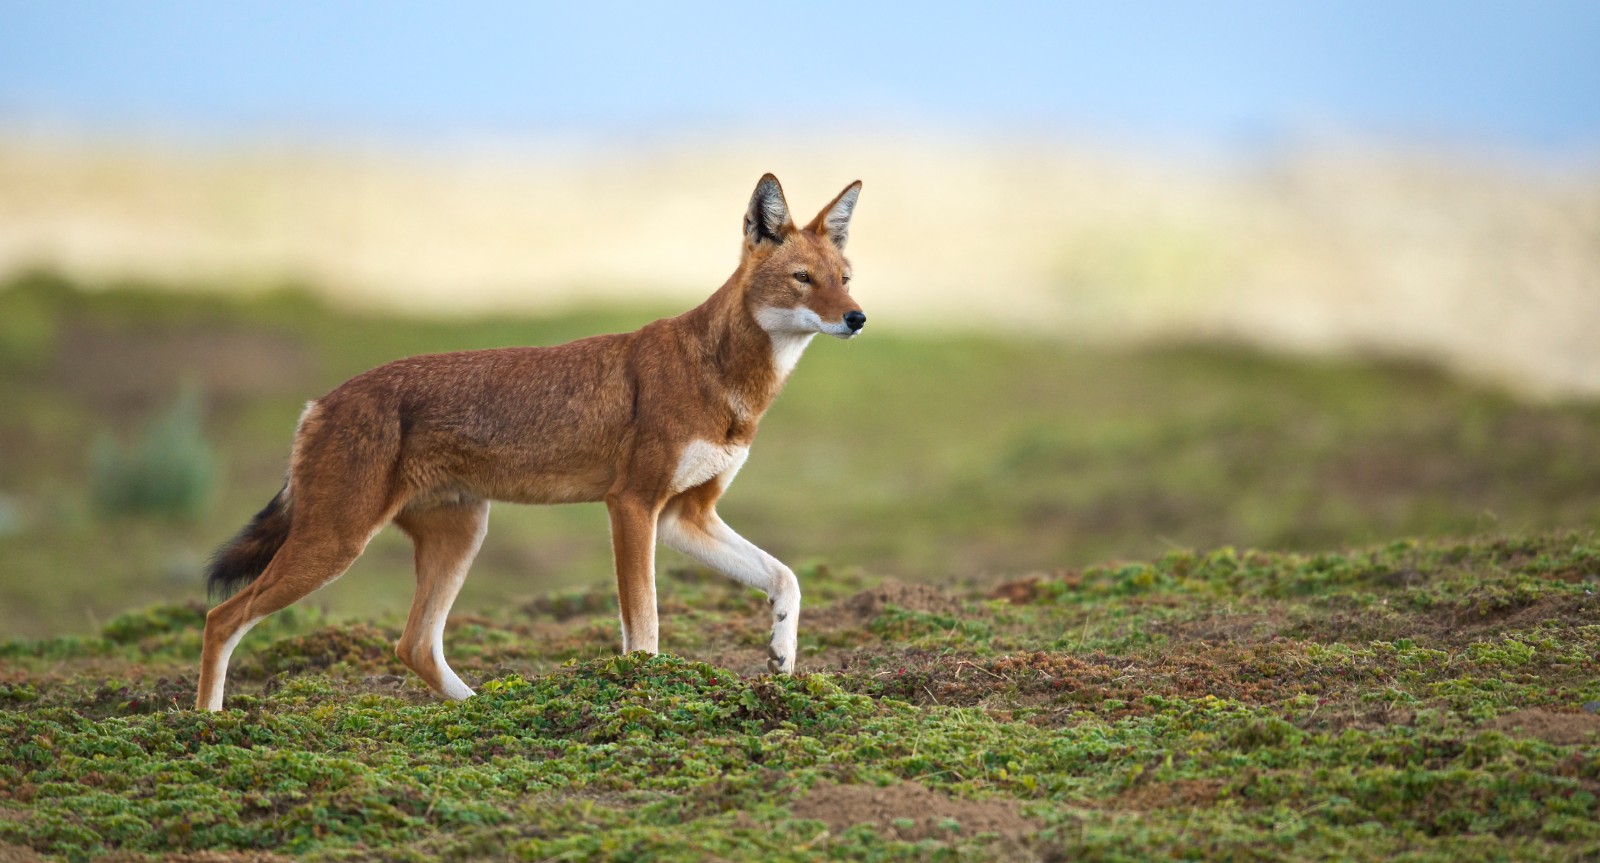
(214, 697)
(439, 609)
(643, 633)
(646, 637)
(716, 545)
(442, 588)
(454, 688)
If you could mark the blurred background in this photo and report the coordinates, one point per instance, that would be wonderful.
(1140, 276)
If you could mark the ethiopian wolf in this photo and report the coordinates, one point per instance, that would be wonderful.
(655, 422)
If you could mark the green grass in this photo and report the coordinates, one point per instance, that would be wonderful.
(1421, 701)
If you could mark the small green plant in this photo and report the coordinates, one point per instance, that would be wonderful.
(170, 471)
(29, 325)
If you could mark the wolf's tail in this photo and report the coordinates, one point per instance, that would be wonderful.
(246, 556)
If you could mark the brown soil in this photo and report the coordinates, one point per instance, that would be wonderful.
(1114, 686)
(1021, 591)
(197, 857)
(1221, 627)
(1348, 711)
(1447, 626)
(738, 645)
(1160, 795)
(1562, 729)
(741, 649)
(844, 806)
(859, 610)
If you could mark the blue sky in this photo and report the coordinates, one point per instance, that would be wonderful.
(1500, 74)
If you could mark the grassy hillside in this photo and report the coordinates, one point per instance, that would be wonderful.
(922, 457)
(1414, 701)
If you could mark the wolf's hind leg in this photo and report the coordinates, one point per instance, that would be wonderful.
(308, 560)
(446, 539)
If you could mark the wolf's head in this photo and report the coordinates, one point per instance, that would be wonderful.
(798, 281)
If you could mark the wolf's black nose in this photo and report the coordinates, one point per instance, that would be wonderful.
(855, 321)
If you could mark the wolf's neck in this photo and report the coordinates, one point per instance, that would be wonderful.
(747, 362)
(786, 351)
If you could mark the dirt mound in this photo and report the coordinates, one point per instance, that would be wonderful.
(739, 646)
(1562, 729)
(1019, 591)
(864, 607)
(359, 645)
(910, 812)
(1446, 625)
(1161, 795)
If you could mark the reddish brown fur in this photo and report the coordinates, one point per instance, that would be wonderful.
(427, 441)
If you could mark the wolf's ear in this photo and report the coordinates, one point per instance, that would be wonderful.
(834, 220)
(767, 218)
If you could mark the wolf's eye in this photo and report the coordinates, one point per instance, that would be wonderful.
(845, 279)
(802, 276)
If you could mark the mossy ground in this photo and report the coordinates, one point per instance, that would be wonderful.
(1418, 701)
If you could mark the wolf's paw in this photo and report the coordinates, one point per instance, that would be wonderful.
(777, 663)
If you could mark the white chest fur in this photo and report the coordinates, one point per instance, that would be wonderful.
(703, 460)
(786, 351)
(791, 330)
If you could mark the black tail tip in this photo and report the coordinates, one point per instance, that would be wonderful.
(243, 559)
(225, 577)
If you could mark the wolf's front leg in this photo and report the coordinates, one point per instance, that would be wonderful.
(709, 540)
(633, 542)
